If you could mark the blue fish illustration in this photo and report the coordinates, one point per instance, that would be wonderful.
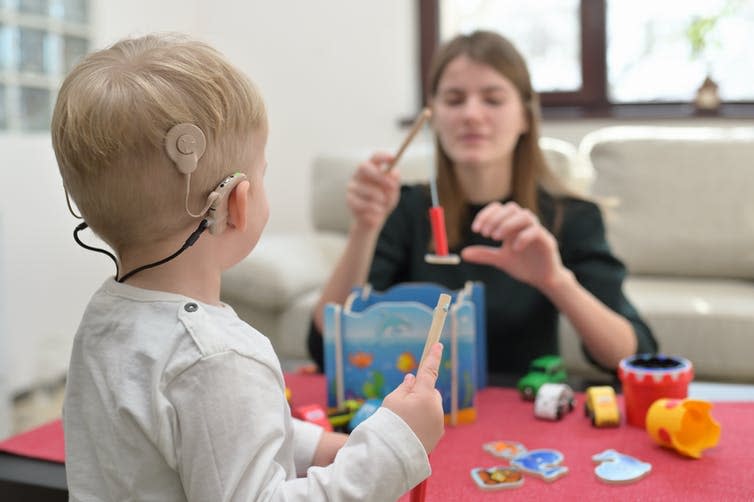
(393, 325)
(544, 463)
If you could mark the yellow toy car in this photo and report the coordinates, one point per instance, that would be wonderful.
(601, 406)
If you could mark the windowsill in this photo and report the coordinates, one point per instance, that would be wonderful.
(637, 111)
(655, 111)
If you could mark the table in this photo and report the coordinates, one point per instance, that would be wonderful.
(725, 472)
(31, 480)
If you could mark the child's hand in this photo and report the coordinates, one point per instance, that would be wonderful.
(418, 403)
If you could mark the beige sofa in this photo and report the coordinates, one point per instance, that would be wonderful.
(684, 226)
(683, 223)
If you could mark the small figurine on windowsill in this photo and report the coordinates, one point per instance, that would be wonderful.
(707, 98)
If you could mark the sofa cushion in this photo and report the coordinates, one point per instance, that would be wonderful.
(282, 267)
(330, 176)
(567, 164)
(684, 198)
(708, 321)
(293, 327)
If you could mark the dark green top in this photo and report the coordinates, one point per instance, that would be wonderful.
(522, 323)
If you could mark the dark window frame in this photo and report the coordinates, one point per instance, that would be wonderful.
(592, 99)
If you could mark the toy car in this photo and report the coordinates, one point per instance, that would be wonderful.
(339, 417)
(541, 370)
(367, 410)
(553, 401)
(313, 413)
(601, 406)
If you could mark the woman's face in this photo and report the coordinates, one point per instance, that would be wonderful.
(478, 114)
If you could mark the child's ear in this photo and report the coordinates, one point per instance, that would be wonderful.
(238, 202)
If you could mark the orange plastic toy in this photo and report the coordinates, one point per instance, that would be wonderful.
(684, 425)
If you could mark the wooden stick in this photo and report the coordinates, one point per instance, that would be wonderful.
(424, 115)
(454, 365)
(438, 321)
(419, 492)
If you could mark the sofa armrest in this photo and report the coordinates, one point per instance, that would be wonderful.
(281, 268)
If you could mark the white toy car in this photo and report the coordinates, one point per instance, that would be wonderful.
(553, 401)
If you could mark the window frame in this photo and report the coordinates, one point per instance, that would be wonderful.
(15, 80)
(592, 99)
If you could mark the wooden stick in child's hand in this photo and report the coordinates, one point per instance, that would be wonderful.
(419, 492)
(438, 321)
(424, 115)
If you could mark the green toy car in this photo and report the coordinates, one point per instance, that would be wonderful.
(340, 417)
(545, 369)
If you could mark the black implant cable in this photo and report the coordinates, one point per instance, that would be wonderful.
(189, 242)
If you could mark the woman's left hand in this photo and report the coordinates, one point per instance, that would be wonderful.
(528, 253)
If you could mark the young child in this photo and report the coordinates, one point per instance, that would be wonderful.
(170, 396)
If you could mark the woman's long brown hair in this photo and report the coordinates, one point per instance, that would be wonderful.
(530, 168)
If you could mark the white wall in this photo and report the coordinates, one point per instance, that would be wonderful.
(5, 426)
(335, 74)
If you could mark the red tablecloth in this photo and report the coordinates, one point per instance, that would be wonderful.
(43, 443)
(725, 472)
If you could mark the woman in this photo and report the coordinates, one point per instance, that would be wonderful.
(538, 249)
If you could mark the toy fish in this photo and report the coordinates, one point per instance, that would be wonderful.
(615, 467)
(360, 359)
(544, 463)
(406, 362)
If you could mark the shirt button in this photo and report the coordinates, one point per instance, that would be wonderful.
(191, 307)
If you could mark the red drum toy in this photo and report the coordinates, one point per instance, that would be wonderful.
(649, 377)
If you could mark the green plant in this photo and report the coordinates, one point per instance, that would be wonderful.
(701, 30)
(698, 33)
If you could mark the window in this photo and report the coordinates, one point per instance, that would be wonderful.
(40, 41)
(614, 57)
(650, 38)
(552, 45)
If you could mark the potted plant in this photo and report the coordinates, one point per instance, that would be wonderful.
(698, 34)
(701, 34)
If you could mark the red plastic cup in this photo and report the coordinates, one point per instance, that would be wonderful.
(648, 377)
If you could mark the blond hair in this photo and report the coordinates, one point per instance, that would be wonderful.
(109, 125)
(530, 169)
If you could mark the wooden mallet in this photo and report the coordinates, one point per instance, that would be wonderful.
(415, 128)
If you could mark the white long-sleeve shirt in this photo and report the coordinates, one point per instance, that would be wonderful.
(170, 399)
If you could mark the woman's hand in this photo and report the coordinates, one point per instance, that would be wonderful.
(372, 193)
(528, 253)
